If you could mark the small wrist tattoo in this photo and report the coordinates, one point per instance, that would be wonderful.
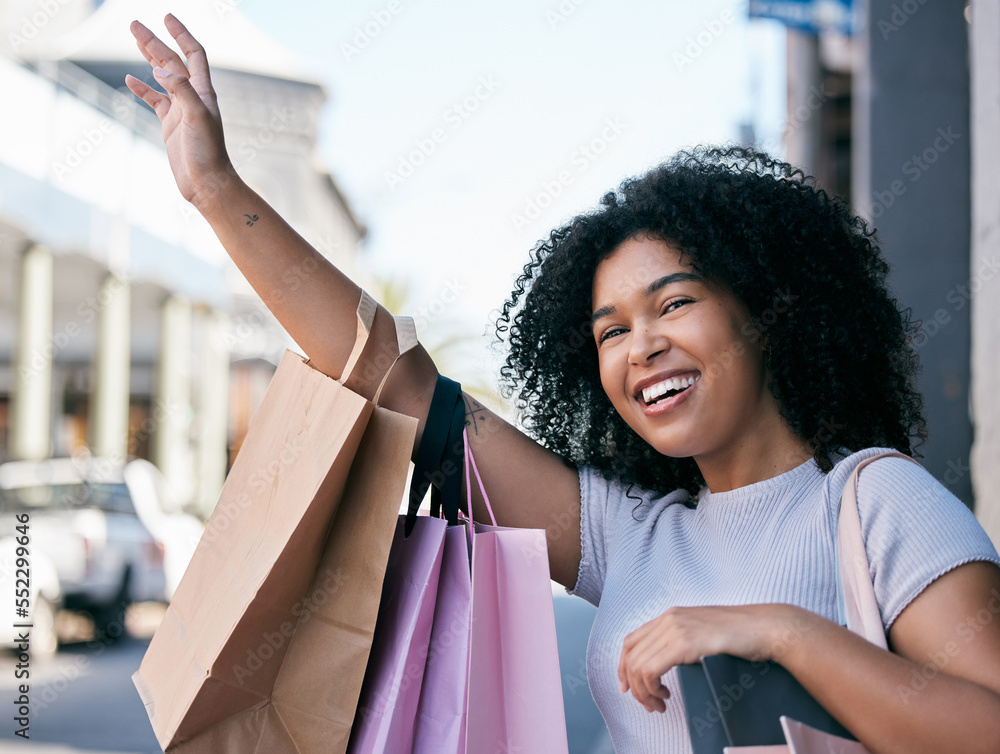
(251, 219)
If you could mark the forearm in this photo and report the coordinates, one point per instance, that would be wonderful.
(882, 697)
(311, 298)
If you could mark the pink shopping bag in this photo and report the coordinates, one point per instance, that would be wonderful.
(441, 714)
(481, 633)
(391, 692)
(805, 740)
(515, 688)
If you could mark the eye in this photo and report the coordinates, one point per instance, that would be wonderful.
(610, 333)
(676, 304)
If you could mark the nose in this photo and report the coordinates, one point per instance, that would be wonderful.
(646, 343)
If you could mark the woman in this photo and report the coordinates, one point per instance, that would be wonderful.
(718, 328)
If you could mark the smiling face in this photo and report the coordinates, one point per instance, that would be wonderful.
(679, 360)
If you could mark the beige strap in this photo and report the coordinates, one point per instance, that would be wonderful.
(366, 316)
(860, 606)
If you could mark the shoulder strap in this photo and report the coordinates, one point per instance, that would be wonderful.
(857, 607)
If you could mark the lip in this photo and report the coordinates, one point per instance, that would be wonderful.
(669, 404)
(660, 377)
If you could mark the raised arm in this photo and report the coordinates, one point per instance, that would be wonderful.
(529, 486)
(320, 315)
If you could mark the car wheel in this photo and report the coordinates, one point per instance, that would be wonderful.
(109, 621)
(44, 639)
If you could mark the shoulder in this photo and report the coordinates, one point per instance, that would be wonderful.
(896, 488)
(877, 472)
(610, 509)
(914, 528)
(899, 501)
(598, 492)
(890, 482)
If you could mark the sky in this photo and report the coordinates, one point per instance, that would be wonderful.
(462, 133)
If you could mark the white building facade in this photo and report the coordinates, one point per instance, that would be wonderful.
(125, 330)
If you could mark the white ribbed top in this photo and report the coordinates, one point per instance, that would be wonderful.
(767, 542)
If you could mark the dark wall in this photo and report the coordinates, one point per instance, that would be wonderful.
(912, 179)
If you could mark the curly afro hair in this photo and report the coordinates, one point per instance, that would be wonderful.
(809, 272)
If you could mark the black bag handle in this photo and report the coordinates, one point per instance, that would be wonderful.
(433, 452)
(450, 494)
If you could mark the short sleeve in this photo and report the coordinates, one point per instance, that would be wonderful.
(595, 491)
(915, 531)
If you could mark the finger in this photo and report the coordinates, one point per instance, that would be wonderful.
(633, 646)
(631, 676)
(142, 35)
(650, 678)
(156, 52)
(636, 636)
(640, 688)
(623, 666)
(649, 702)
(197, 60)
(646, 690)
(159, 102)
(625, 660)
(622, 674)
(657, 688)
(651, 662)
(179, 89)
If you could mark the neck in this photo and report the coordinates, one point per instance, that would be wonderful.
(770, 451)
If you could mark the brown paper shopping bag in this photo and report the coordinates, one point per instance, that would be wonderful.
(264, 645)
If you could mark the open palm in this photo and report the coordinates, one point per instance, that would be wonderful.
(189, 112)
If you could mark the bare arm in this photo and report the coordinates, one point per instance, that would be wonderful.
(938, 690)
(320, 314)
(528, 485)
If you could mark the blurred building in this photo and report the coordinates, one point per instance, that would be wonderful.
(124, 327)
(903, 118)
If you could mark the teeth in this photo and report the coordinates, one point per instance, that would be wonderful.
(653, 392)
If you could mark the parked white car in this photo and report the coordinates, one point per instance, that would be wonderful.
(82, 521)
(36, 587)
(176, 530)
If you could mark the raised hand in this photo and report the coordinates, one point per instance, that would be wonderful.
(189, 112)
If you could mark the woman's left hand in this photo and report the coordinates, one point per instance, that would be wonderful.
(684, 635)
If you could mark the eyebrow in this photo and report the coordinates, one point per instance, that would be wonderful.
(676, 277)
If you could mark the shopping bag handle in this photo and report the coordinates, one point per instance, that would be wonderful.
(367, 307)
(447, 496)
(406, 338)
(436, 449)
(470, 459)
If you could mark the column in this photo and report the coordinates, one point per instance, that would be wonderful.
(31, 395)
(110, 385)
(213, 411)
(911, 178)
(984, 41)
(172, 400)
(802, 123)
